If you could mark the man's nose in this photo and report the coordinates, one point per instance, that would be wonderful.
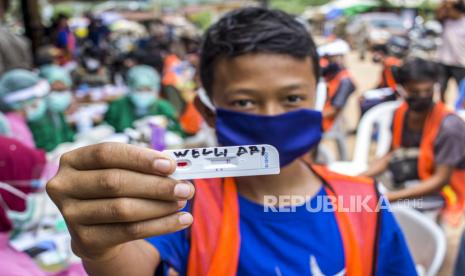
(272, 109)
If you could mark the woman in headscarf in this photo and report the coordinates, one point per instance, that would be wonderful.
(142, 100)
(23, 96)
(60, 97)
(21, 170)
(21, 99)
(20, 166)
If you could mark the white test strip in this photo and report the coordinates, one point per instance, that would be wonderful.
(219, 162)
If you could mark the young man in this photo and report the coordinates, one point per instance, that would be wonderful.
(260, 70)
(434, 130)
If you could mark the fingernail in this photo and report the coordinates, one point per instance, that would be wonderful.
(162, 165)
(182, 204)
(182, 190)
(185, 219)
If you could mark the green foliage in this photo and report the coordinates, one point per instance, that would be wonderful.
(202, 19)
(295, 6)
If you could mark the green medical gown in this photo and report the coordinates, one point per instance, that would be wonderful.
(121, 114)
(51, 130)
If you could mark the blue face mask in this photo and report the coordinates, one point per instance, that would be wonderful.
(293, 133)
(37, 111)
(59, 101)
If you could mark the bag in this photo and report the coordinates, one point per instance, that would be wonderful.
(375, 97)
(404, 165)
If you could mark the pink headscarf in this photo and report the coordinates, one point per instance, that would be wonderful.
(19, 129)
(19, 165)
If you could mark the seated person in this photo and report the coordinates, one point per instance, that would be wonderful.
(437, 133)
(232, 233)
(390, 55)
(20, 175)
(60, 98)
(142, 100)
(23, 95)
(91, 72)
(338, 81)
(21, 166)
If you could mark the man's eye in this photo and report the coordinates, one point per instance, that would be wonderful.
(243, 103)
(294, 98)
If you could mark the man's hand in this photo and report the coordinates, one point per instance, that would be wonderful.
(111, 193)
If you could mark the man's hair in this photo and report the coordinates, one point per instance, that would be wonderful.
(418, 70)
(5, 5)
(460, 6)
(254, 30)
(380, 48)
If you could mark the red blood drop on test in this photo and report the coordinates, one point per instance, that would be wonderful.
(183, 164)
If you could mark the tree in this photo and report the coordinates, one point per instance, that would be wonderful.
(295, 6)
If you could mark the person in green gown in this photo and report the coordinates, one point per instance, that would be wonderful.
(142, 100)
(58, 101)
(24, 94)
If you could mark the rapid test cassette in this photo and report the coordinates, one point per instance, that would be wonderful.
(219, 162)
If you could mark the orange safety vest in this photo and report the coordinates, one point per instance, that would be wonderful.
(215, 234)
(387, 78)
(191, 120)
(169, 76)
(332, 86)
(454, 193)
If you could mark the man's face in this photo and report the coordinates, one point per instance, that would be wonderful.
(266, 84)
(419, 95)
(419, 89)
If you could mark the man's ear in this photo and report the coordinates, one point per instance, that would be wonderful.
(207, 114)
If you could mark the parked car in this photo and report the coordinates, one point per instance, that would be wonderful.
(370, 29)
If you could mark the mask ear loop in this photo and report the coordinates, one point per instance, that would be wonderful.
(12, 190)
(321, 94)
(437, 92)
(401, 91)
(437, 87)
(205, 99)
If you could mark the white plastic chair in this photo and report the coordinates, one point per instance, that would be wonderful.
(425, 239)
(461, 114)
(380, 115)
(337, 132)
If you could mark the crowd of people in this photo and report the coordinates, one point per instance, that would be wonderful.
(256, 76)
